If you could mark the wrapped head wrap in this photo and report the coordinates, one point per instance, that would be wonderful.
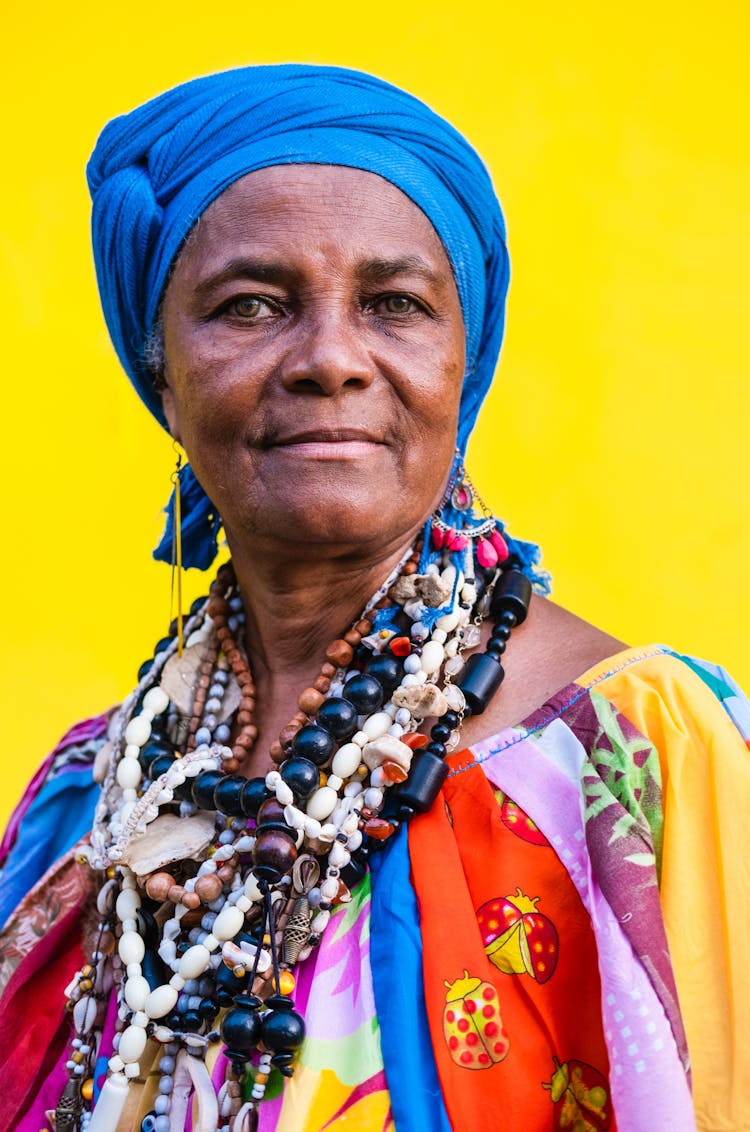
(155, 170)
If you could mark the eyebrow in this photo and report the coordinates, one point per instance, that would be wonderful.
(275, 271)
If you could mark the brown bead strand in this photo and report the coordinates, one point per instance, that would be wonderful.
(218, 610)
(200, 693)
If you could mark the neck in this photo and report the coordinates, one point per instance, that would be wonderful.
(297, 602)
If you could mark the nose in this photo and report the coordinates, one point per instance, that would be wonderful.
(328, 353)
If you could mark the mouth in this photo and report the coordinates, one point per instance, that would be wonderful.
(328, 444)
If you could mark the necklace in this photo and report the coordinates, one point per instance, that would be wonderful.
(217, 886)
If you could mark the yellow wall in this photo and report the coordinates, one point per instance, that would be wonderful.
(616, 434)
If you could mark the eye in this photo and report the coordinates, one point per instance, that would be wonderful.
(248, 307)
(397, 304)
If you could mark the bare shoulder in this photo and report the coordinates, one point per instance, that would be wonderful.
(551, 649)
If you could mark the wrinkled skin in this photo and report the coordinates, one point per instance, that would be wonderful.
(315, 353)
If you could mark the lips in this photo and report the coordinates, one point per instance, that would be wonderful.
(345, 444)
(326, 436)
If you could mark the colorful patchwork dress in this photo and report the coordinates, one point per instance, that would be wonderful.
(514, 959)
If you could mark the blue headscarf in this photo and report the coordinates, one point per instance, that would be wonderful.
(155, 170)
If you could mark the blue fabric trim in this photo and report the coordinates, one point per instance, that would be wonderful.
(57, 819)
(396, 961)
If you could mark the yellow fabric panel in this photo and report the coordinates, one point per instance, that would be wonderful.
(706, 872)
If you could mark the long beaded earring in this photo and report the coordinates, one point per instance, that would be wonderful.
(176, 573)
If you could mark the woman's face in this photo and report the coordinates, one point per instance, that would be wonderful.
(314, 357)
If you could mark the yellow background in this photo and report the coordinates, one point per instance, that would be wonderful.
(616, 433)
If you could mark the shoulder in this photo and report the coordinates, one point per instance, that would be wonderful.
(54, 813)
(549, 651)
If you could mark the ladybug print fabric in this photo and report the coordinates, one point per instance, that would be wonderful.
(510, 969)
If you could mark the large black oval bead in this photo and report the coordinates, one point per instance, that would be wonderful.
(313, 743)
(427, 774)
(479, 679)
(160, 764)
(152, 750)
(388, 670)
(364, 692)
(204, 785)
(283, 1028)
(338, 716)
(254, 794)
(228, 795)
(301, 776)
(512, 594)
(241, 1028)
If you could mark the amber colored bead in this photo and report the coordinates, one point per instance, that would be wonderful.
(277, 753)
(379, 828)
(225, 874)
(208, 888)
(393, 772)
(415, 740)
(286, 983)
(191, 900)
(410, 567)
(322, 684)
(353, 638)
(244, 717)
(311, 699)
(204, 683)
(176, 893)
(158, 885)
(223, 634)
(233, 656)
(231, 766)
(400, 646)
(328, 669)
(87, 1089)
(339, 653)
(364, 627)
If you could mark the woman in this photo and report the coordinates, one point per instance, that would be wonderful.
(335, 873)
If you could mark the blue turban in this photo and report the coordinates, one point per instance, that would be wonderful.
(155, 170)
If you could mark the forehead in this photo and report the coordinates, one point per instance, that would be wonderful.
(328, 208)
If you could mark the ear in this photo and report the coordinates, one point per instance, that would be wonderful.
(169, 406)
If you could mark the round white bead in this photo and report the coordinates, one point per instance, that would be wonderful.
(194, 962)
(156, 701)
(346, 760)
(128, 903)
(322, 803)
(228, 922)
(335, 782)
(373, 798)
(137, 991)
(448, 621)
(138, 730)
(132, 1043)
(131, 947)
(377, 725)
(161, 1001)
(433, 655)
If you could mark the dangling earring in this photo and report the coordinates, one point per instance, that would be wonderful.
(456, 526)
(176, 576)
